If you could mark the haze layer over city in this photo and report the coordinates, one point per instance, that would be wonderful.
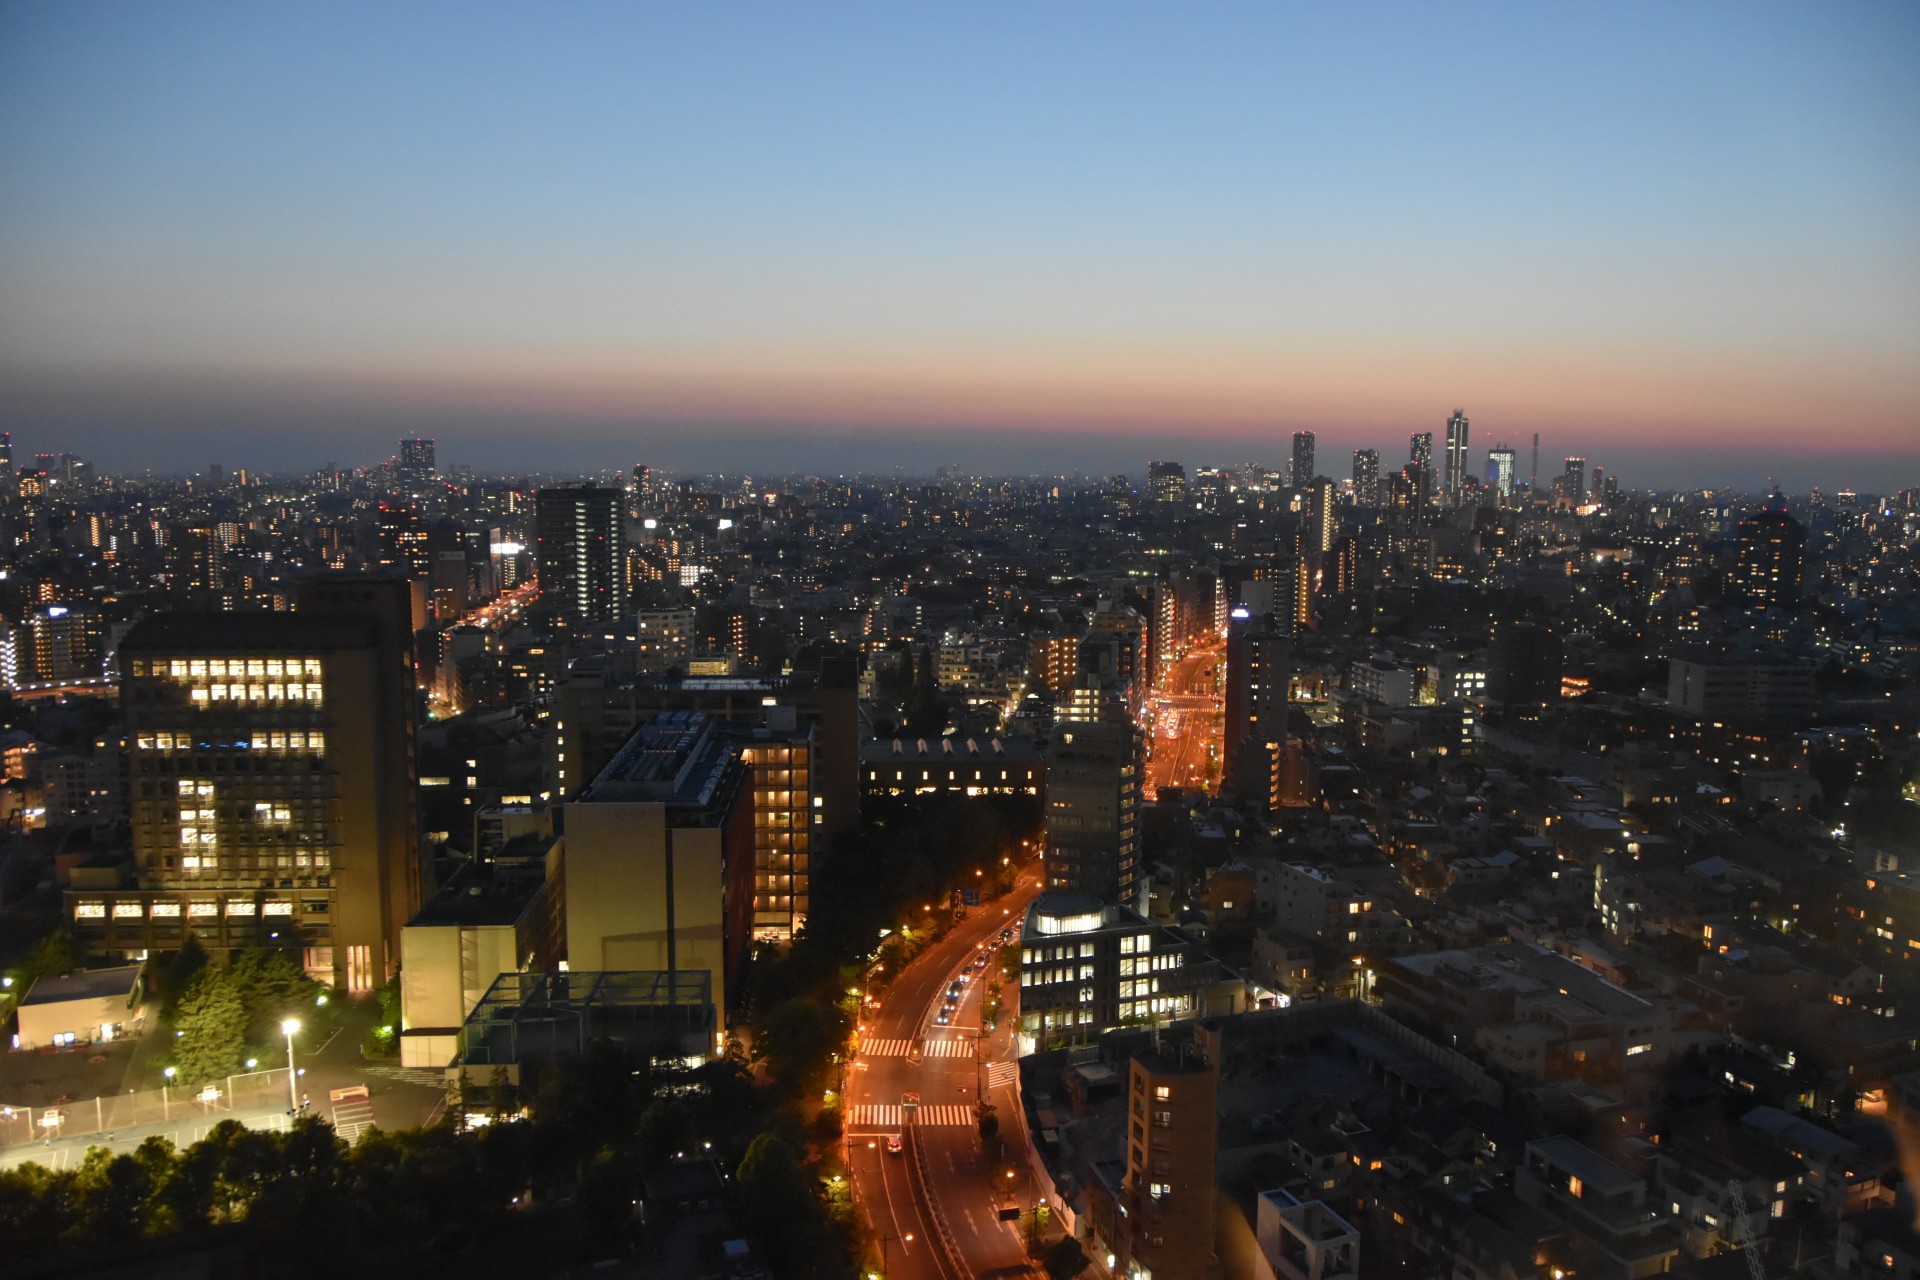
(912, 644)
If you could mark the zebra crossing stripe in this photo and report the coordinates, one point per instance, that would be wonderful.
(896, 1048)
(877, 1115)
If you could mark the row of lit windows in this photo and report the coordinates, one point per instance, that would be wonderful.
(256, 693)
(1040, 955)
(208, 862)
(275, 740)
(172, 910)
(1157, 1007)
(223, 668)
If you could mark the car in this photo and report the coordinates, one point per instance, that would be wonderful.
(895, 1144)
(944, 1017)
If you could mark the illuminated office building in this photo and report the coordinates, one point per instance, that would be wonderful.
(581, 553)
(271, 775)
(1500, 471)
(1455, 476)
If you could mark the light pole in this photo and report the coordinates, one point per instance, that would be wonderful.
(289, 1026)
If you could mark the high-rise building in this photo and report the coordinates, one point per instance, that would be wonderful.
(1323, 517)
(581, 552)
(1419, 467)
(780, 758)
(195, 564)
(1366, 477)
(9, 485)
(1302, 474)
(1093, 800)
(271, 770)
(64, 643)
(1500, 471)
(1259, 669)
(1573, 480)
(1771, 557)
(1167, 482)
(658, 858)
(1455, 475)
(1165, 1226)
(1524, 664)
(417, 469)
(401, 530)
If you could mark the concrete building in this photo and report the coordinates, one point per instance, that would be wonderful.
(87, 1006)
(581, 553)
(1303, 1241)
(1739, 689)
(1093, 802)
(1087, 967)
(1159, 1222)
(477, 926)
(271, 783)
(657, 860)
(1606, 1209)
(969, 766)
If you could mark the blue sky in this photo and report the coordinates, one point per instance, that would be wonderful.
(261, 234)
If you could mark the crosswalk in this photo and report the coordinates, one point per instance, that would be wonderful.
(929, 1049)
(1002, 1074)
(351, 1119)
(893, 1116)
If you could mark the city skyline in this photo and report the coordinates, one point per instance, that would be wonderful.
(1673, 241)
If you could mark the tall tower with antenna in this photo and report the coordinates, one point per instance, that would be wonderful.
(1534, 482)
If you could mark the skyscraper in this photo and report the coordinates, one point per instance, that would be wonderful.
(1167, 482)
(416, 463)
(1420, 466)
(1093, 800)
(1366, 477)
(1259, 669)
(1456, 461)
(582, 552)
(1322, 515)
(1302, 474)
(272, 769)
(1771, 557)
(1500, 471)
(1573, 480)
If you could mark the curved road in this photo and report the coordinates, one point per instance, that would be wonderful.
(903, 1056)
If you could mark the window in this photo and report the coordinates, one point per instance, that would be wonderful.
(1163, 1093)
(1575, 1187)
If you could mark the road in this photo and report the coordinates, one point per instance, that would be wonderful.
(903, 1055)
(1185, 733)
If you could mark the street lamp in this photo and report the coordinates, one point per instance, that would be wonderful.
(288, 1027)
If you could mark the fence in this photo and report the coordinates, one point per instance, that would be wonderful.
(113, 1113)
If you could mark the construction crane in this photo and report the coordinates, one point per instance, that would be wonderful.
(1743, 1233)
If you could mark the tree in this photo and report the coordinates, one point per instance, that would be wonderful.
(57, 954)
(271, 986)
(212, 1027)
(1064, 1259)
(797, 1040)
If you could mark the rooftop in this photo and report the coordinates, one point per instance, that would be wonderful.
(85, 984)
(183, 633)
(679, 758)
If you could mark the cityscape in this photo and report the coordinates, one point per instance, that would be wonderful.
(742, 647)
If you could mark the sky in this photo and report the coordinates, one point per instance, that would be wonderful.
(1680, 240)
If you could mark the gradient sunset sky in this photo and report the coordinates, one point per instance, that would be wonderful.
(1680, 239)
